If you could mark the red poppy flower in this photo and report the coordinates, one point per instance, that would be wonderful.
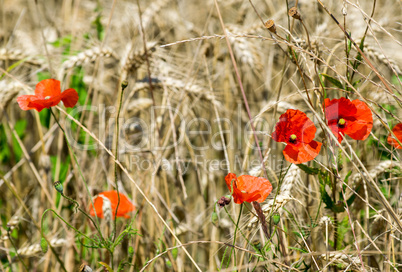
(397, 130)
(297, 131)
(48, 94)
(248, 188)
(109, 199)
(353, 118)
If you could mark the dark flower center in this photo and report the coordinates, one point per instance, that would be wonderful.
(292, 138)
(341, 123)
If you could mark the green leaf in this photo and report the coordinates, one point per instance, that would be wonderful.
(352, 197)
(333, 80)
(64, 166)
(346, 180)
(349, 43)
(326, 198)
(308, 170)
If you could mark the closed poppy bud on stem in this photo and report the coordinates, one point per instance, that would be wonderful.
(175, 251)
(43, 245)
(59, 187)
(214, 219)
(276, 218)
(124, 84)
(257, 245)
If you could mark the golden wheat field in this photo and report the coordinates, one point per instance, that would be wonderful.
(219, 135)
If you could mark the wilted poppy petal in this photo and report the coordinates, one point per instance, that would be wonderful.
(69, 98)
(397, 130)
(48, 88)
(360, 128)
(302, 153)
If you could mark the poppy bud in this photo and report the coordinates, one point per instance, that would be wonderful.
(168, 263)
(270, 24)
(214, 218)
(294, 12)
(276, 217)
(256, 245)
(43, 245)
(174, 253)
(225, 200)
(59, 187)
(124, 84)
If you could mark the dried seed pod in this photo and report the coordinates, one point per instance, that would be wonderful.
(224, 200)
(270, 24)
(294, 12)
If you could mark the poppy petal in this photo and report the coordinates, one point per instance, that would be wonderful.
(256, 188)
(48, 88)
(228, 179)
(231, 183)
(336, 108)
(40, 104)
(24, 100)
(360, 128)
(98, 202)
(125, 205)
(302, 153)
(248, 188)
(294, 122)
(69, 98)
(397, 130)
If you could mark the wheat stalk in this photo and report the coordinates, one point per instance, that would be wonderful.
(8, 91)
(347, 262)
(378, 170)
(134, 59)
(89, 55)
(289, 183)
(245, 50)
(17, 55)
(34, 249)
